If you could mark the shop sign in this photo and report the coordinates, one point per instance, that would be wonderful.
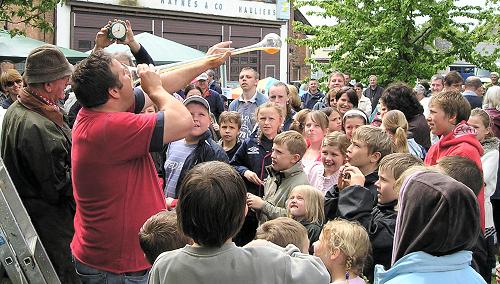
(262, 10)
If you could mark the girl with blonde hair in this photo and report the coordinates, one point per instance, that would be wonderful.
(324, 174)
(344, 247)
(394, 123)
(253, 156)
(306, 205)
(481, 121)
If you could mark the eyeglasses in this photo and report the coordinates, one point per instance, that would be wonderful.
(11, 83)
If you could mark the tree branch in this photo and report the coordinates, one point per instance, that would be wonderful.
(421, 35)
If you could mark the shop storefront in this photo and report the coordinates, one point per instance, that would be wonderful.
(195, 23)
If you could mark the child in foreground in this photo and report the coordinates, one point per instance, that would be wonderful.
(355, 204)
(305, 204)
(344, 247)
(434, 236)
(214, 258)
(283, 231)
(285, 173)
(160, 234)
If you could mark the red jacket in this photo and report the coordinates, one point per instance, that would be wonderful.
(461, 141)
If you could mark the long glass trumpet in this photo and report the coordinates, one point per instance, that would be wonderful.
(270, 44)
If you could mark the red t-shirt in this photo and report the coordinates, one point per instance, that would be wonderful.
(115, 187)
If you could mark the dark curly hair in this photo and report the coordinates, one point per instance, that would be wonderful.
(401, 97)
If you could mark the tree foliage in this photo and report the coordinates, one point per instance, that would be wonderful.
(401, 39)
(23, 13)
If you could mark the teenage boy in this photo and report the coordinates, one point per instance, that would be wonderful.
(448, 115)
(229, 129)
(160, 233)
(197, 147)
(354, 202)
(368, 146)
(284, 173)
(214, 258)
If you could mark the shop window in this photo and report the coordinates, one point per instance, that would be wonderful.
(270, 71)
(84, 44)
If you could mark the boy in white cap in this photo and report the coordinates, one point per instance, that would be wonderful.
(197, 147)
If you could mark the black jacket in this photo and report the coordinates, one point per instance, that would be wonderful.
(373, 95)
(254, 154)
(331, 196)
(313, 232)
(355, 203)
(216, 103)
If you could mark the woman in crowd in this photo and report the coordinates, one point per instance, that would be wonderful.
(12, 84)
(491, 104)
(401, 97)
(346, 99)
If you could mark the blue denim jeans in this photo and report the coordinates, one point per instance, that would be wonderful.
(89, 275)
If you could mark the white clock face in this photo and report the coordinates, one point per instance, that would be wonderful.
(118, 30)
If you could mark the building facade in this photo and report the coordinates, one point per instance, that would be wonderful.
(195, 23)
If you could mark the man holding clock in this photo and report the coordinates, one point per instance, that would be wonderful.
(114, 178)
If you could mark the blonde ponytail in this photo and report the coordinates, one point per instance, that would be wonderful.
(400, 140)
(395, 123)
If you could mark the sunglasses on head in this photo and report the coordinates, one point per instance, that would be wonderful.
(11, 83)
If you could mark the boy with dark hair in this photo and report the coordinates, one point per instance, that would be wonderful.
(197, 147)
(283, 231)
(229, 129)
(453, 81)
(355, 203)
(449, 112)
(368, 146)
(214, 258)
(467, 172)
(284, 174)
(160, 234)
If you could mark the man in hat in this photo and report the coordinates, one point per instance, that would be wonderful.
(213, 98)
(36, 147)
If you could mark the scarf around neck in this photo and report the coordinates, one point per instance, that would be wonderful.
(35, 103)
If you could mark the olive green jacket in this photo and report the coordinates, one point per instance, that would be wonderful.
(277, 188)
(37, 155)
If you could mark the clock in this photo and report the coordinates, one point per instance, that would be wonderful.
(118, 31)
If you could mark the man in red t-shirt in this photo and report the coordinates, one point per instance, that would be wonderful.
(114, 179)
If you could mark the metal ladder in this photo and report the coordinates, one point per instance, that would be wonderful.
(22, 256)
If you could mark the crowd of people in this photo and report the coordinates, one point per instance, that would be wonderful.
(168, 181)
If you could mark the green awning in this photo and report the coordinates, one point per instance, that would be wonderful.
(163, 51)
(18, 47)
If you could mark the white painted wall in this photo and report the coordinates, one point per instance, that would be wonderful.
(63, 16)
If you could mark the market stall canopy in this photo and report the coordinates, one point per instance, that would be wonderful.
(18, 47)
(163, 51)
